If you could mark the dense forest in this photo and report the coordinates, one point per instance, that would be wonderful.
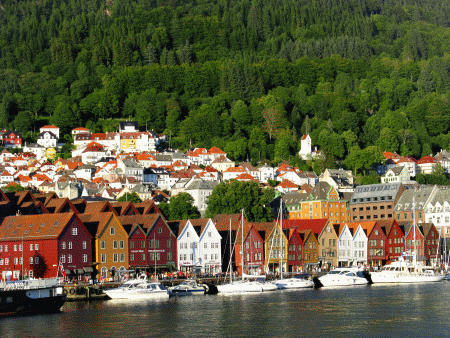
(251, 77)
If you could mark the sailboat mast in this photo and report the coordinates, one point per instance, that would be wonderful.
(414, 225)
(281, 238)
(231, 255)
(242, 245)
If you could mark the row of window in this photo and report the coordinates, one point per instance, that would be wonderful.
(116, 244)
(372, 208)
(69, 245)
(153, 256)
(115, 258)
(291, 257)
(256, 257)
(373, 242)
(153, 243)
(370, 216)
(18, 247)
(63, 260)
(373, 199)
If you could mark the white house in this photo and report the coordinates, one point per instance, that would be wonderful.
(209, 246)
(345, 256)
(188, 247)
(47, 139)
(50, 128)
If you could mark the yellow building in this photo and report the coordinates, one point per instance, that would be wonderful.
(323, 202)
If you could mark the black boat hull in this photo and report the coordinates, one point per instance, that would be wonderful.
(16, 302)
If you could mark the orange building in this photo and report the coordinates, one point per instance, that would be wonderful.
(322, 202)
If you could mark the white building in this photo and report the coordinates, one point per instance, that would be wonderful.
(188, 247)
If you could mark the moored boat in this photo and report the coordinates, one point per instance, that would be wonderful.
(295, 282)
(343, 277)
(406, 272)
(31, 296)
(122, 291)
(148, 290)
(187, 288)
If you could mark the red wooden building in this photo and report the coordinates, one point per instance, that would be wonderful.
(295, 252)
(394, 239)
(33, 246)
(151, 243)
(431, 240)
(376, 243)
(253, 251)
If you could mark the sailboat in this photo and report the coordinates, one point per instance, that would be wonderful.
(297, 281)
(409, 270)
(243, 285)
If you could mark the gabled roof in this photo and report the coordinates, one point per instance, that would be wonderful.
(315, 225)
(60, 205)
(222, 221)
(99, 207)
(47, 226)
(125, 208)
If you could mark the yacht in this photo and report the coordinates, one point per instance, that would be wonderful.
(148, 290)
(122, 291)
(406, 272)
(343, 277)
(247, 285)
(299, 281)
(188, 287)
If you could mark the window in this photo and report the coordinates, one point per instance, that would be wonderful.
(169, 256)
(103, 258)
(74, 231)
(15, 247)
(112, 231)
(143, 257)
(1, 248)
(209, 233)
(132, 257)
(132, 245)
(36, 260)
(102, 245)
(1, 261)
(69, 245)
(31, 247)
(85, 258)
(122, 257)
(63, 259)
(121, 244)
(84, 245)
(159, 230)
(205, 245)
(115, 258)
(142, 244)
(31, 260)
(69, 258)
(63, 245)
(115, 244)
(187, 234)
(36, 247)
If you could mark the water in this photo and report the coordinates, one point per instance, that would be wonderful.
(360, 311)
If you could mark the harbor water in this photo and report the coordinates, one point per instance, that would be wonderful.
(360, 311)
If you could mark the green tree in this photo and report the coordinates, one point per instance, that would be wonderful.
(181, 206)
(232, 197)
(129, 197)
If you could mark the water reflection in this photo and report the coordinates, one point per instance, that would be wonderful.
(375, 311)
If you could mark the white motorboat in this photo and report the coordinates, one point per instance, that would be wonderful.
(245, 286)
(342, 277)
(188, 287)
(121, 291)
(295, 282)
(148, 290)
(406, 272)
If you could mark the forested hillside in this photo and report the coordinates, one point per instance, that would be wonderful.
(247, 76)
